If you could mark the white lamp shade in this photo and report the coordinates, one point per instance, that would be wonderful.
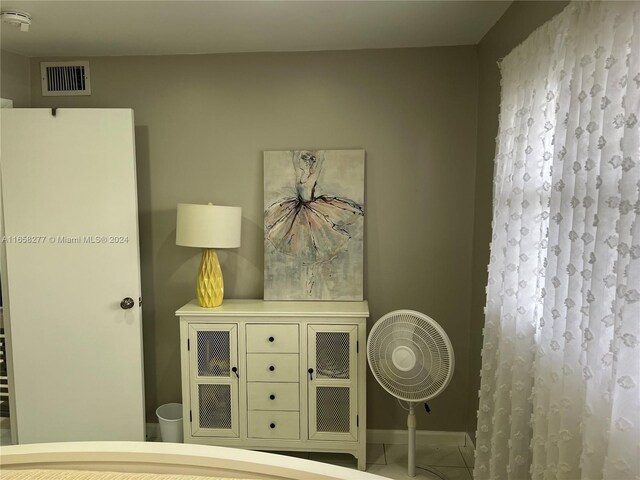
(208, 226)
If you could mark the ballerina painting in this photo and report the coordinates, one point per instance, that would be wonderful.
(313, 224)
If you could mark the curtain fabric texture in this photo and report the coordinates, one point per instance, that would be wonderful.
(560, 394)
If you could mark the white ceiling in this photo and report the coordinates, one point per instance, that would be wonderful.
(148, 27)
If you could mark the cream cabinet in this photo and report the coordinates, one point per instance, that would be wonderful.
(274, 375)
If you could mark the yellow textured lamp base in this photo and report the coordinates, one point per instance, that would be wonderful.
(210, 284)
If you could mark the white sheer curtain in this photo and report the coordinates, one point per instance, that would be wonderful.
(560, 394)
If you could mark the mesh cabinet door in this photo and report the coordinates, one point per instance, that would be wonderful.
(213, 361)
(333, 395)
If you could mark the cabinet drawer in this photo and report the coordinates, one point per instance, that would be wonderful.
(265, 367)
(272, 338)
(274, 424)
(285, 396)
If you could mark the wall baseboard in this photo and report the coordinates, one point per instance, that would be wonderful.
(468, 441)
(395, 437)
(152, 432)
(423, 437)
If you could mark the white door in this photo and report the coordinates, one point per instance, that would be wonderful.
(71, 239)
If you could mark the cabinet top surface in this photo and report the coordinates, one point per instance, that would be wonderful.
(277, 308)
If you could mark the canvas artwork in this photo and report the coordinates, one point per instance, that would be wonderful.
(313, 224)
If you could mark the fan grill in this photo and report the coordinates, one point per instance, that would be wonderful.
(410, 355)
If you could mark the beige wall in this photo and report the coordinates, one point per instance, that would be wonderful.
(202, 122)
(15, 78)
(520, 19)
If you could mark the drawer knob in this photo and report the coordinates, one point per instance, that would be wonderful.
(272, 396)
(271, 339)
(272, 368)
(273, 425)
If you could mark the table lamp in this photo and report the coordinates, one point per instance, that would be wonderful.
(209, 227)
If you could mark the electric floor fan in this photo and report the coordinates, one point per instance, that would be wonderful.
(412, 358)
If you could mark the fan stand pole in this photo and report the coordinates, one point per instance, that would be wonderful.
(411, 425)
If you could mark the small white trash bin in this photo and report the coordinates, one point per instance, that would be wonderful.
(170, 417)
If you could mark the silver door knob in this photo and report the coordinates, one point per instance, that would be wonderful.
(127, 303)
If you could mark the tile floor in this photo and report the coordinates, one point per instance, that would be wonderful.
(390, 461)
(444, 462)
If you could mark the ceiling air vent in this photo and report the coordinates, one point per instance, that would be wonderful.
(65, 78)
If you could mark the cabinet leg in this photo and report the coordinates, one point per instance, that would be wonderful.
(362, 459)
